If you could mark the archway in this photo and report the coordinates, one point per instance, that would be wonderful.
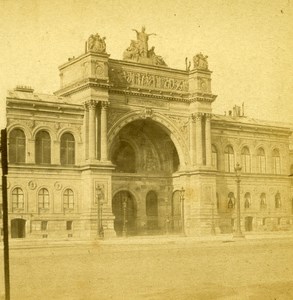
(248, 223)
(17, 228)
(145, 160)
(124, 210)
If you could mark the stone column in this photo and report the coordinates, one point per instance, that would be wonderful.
(86, 131)
(92, 129)
(198, 130)
(104, 142)
(192, 140)
(208, 140)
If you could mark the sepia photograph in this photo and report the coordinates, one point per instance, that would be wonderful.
(146, 150)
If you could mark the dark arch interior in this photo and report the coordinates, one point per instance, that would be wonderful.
(142, 146)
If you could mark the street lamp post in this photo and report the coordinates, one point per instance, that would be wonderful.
(238, 233)
(182, 191)
(124, 230)
(101, 228)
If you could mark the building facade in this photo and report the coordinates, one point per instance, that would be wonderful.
(132, 147)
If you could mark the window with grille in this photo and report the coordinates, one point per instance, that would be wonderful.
(245, 160)
(229, 159)
(17, 146)
(68, 199)
(67, 150)
(214, 157)
(43, 148)
(260, 161)
(17, 199)
(43, 199)
(276, 162)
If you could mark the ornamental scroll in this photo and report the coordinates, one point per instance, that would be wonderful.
(147, 80)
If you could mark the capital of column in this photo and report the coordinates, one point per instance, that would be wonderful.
(90, 104)
(208, 116)
(197, 117)
(104, 105)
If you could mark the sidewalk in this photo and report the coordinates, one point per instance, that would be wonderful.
(144, 240)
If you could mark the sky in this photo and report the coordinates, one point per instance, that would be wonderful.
(249, 44)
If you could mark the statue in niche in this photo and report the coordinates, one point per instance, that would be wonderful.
(96, 44)
(100, 193)
(139, 51)
(200, 61)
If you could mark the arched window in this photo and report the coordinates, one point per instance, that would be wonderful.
(247, 200)
(260, 161)
(16, 146)
(67, 153)
(229, 159)
(68, 200)
(214, 157)
(245, 160)
(231, 200)
(276, 162)
(277, 200)
(17, 199)
(124, 158)
(43, 199)
(43, 148)
(263, 203)
(151, 204)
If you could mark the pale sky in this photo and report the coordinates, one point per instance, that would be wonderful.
(249, 44)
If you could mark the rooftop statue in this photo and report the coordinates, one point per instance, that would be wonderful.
(139, 51)
(96, 44)
(200, 62)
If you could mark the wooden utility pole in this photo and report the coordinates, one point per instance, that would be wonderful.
(4, 164)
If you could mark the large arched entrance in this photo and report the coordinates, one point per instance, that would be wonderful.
(145, 160)
(17, 228)
(124, 210)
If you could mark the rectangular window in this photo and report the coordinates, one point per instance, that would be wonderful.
(68, 225)
(44, 225)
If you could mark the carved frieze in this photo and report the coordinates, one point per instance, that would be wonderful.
(147, 80)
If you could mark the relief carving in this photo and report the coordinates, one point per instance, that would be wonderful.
(99, 69)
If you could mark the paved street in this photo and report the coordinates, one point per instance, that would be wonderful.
(174, 269)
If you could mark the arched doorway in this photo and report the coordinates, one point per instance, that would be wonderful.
(152, 211)
(124, 210)
(145, 159)
(176, 212)
(248, 223)
(17, 228)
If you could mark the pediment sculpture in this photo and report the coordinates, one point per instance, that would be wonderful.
(96, 44)
(139, 51)
(200, 61)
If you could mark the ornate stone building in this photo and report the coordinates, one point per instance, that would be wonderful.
(130, 147)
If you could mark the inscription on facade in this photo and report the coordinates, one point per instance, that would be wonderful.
(147, 102)
(146, 80)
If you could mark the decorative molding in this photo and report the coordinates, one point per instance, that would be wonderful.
(58, 185)
(32, 185)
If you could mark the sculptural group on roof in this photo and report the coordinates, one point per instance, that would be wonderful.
(139, 51)
(96, 44)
